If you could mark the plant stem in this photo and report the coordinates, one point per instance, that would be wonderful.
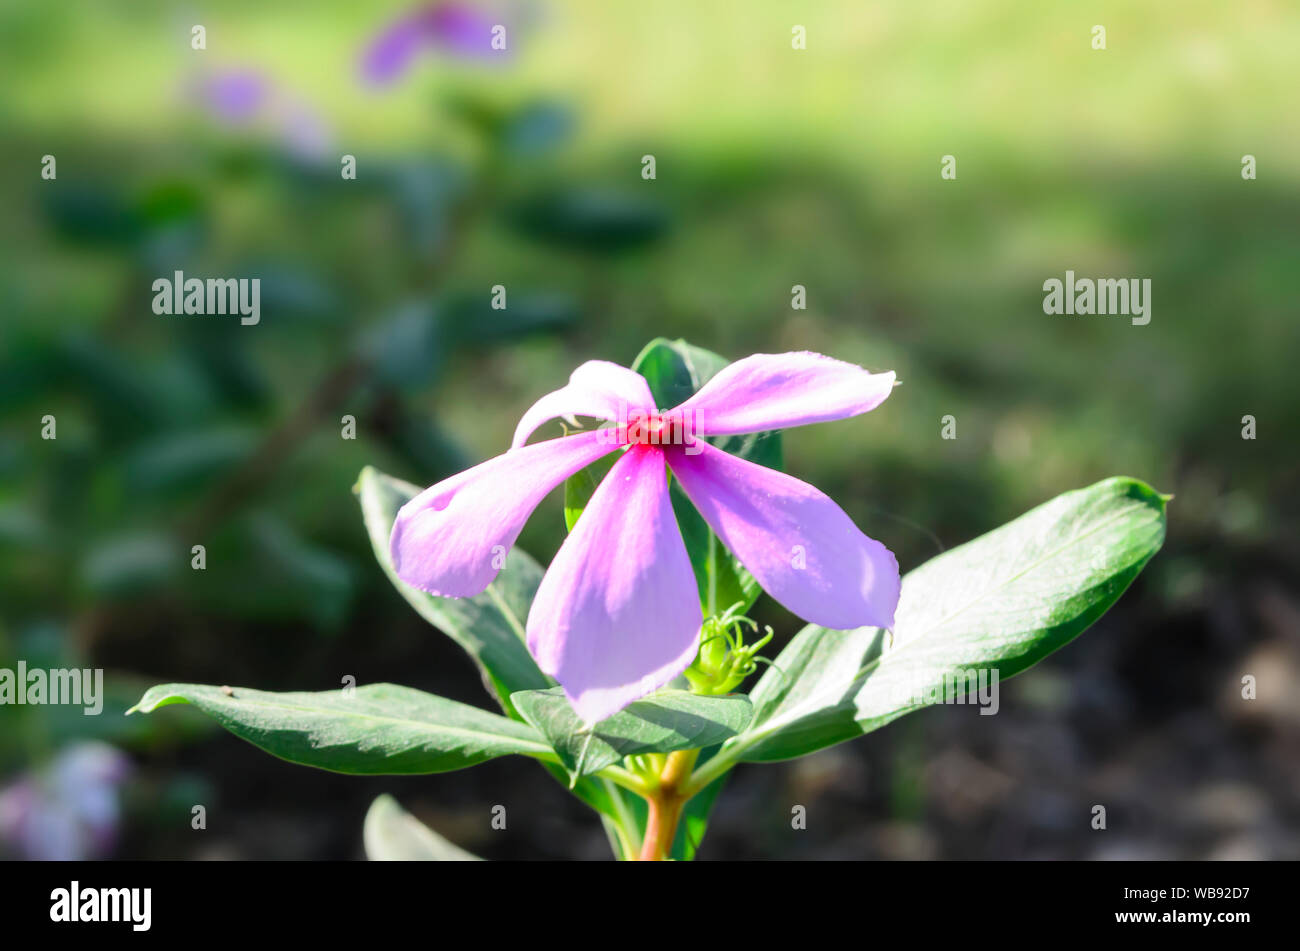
(628, 780)
(665, 803)
(721, 762)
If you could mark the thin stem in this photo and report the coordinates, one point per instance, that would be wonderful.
(678, 768)
(546, 757)
(665, 804)
(721, 762)
(625, 778)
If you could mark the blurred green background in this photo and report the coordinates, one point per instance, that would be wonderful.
(775, 167)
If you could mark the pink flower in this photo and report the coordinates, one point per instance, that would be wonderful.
(617, 615)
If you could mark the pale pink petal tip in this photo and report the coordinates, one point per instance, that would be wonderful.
(797, 543)
(782, 390)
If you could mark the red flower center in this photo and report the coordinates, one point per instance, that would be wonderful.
(657, 429)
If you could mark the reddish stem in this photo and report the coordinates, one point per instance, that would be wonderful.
(666, 804)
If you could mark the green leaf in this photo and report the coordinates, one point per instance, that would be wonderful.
(593, 220)
(378, 729)
(471, 320)
(578, 488)
(675, 370)
(665, 721)
(1002, 602)
(489, 626)
(391, 834)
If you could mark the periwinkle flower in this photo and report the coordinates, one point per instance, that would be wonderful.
(617, 614)
(458, 28)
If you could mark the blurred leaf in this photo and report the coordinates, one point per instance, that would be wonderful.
(470, 320)
(259, 567)
(406, 350)
(376, 729)
(114, 387)
(423, 444)
(20, 526)
(128, 565)
(485, 115)
(537, 128)
(186, 458)
(233, 376)
(291, 295)
(169, 202)
(590, 219)
(392, 834)
(422, 192)
(29, 365)
(91, 213)
(660, 723)
(1001, 602)
(320, 581)
(173, 218)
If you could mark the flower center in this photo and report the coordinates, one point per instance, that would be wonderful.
(656, 429)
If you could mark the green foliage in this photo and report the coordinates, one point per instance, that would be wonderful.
(391, 834)
(661, 723)
(995, 605)
(376, 729)
(999, 603)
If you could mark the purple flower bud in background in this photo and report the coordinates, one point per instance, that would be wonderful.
(69, 810)
(249, 99)
(457, 28)
(235, 95)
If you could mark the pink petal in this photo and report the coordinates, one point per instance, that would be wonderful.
(780, 390)
(597, 388)
(451, 539)
(794, 540)
(617, 615)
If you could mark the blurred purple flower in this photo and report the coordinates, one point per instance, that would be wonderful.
(457, 28)
(68, 810)
(302, 131)
(235, 95)
(246, 97)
